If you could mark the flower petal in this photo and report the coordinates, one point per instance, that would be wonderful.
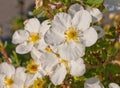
(93, 83)
(96, 14)
(61, 22)
(9, 71)
(48, 61)
(101, 32)
(75, 8)
(90, 37)
(79, 65)
(2, 77)
(54, 38)
(24, 48)
(32, 25)
(20, 77)
(41, 45)
(58, 76)
(82, 20)
(71, 50)
(20, 36)
(35, 54)
(114, 85)
(44, 27)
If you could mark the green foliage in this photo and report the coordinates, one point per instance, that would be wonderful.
(93, 3)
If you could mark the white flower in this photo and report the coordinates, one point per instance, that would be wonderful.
(71, 34)
(93, 83)
(112, 5)
(114, 85)
(34, 71)
(57, 68)
(11, 77)
(95, 13)
(32, 36)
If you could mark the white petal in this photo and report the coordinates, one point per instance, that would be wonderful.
(33, 25)
(44, 27)
(90, 37)
(7, 69)
(20, 36)
(24, 48)
(61, 22)
(79, 65)
(20, 77)
(58, 76)
(41, 45)
(48, 61)
(100, 30)
(114, 85)
(75, 8)
(71, 50)
(54, 38)
(35, 54)
(2, 77)
(93, 83)
(82, 20)
(96, 14)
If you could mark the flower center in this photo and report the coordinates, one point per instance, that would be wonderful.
(34, 37)
(72, 34)
(32, 67)
(37, 84)
(9, 81)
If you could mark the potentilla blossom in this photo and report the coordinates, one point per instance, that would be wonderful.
(71, 34)
(34, 71)
(11, 77)
(31, 37)
(57, 68)
(95, 12)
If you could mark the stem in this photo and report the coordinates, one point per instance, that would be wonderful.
(3, 52)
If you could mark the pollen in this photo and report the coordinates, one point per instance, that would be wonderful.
(9, 81)
(32, 67)
(72, 35)
(34, 37)
(48, 49)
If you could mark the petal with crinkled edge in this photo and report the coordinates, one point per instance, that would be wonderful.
(58, 76)
(90, 36)
(45, 25)
(32, 25)
(20, 36)
(61, 22)
(96, 14)
(24, 48)
(79, 65)
(75, 8)
(48, 61)
(82, 20)
(54, 38)
(71, 50)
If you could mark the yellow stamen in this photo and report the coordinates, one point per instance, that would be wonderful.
(65, 62)
(9, 81)
(72, 34)
(48, 49)
(34, 37)
(32, 67)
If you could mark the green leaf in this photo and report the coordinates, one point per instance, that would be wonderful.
(93, 3)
